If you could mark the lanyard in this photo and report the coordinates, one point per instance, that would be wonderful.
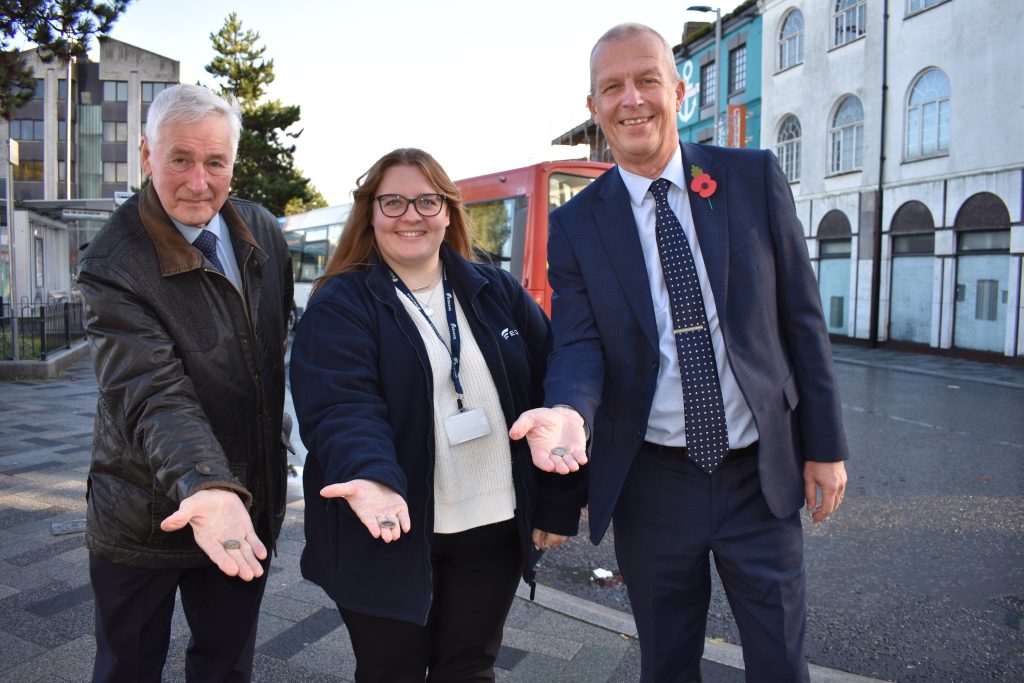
(453, 325)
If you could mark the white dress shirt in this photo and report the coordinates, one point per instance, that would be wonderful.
(224, 251)
(666, 424)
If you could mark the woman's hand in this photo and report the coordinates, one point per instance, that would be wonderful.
(382, 511)
(543, 540)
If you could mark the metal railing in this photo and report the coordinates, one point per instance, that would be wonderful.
(43, 328)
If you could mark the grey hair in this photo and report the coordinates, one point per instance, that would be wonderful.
(187, 103)
(629, 30)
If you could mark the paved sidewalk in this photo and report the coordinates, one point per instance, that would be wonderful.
(46, 603)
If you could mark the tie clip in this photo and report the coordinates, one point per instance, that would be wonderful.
(692, 328)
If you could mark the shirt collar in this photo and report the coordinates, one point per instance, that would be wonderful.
(190, 232)
(638, 185)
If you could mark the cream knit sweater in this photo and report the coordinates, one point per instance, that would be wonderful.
(473, 480)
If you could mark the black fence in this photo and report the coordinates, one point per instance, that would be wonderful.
(42, 327)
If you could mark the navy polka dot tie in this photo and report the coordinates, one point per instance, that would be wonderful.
(707, 438)
(206, 243)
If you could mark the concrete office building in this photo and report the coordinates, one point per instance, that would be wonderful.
(109, 101)
(898, 124)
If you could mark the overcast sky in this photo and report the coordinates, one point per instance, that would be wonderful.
(483, 86)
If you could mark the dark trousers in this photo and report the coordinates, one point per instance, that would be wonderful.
(669, 518)
(134, 606)
(475, 577)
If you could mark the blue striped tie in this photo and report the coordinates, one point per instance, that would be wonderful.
(707, 437)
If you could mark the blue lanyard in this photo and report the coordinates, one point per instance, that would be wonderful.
(453, 325)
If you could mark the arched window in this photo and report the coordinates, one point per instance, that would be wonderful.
(791, 40)
(848, 136)
(788, 148)
(850, 19)
(928, 115)
(913, 229)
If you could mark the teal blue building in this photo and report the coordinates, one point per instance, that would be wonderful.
(730, 79)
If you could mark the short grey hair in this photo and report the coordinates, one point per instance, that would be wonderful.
(187, 103)
(629, 30)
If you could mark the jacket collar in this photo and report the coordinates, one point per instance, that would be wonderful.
(174, 252)
(461, 273)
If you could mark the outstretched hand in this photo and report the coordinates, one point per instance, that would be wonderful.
(382, 511)
(223, 530)
(558, 442)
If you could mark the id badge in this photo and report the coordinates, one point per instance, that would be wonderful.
(466, 425)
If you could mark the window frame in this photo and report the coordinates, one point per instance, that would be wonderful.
(794, 39)
(842, 25)
(849, 136)
(709, 85)
(737, 70)
(788, 149)
(915, 114)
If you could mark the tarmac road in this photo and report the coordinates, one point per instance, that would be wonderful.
(920, 576)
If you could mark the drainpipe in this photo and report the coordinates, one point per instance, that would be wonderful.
(876, 260)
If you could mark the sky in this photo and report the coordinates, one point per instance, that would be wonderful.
(483, 86)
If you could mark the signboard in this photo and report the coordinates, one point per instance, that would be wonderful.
(13, 155)
(121, 197)
(84, 214)
(736, 128)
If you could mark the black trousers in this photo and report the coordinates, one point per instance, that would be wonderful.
(134, 606)
(475, 577)
(670, 519)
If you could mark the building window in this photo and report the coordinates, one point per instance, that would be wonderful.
(26, 129)
(848, 136)
(152, 89)
(115, 91)
(737, 69)
(115, 131)
(62, 90)
(707, 84)
(918, 5)
(791, 40)
(115, 172)
(40, 89)
(788, 148)
(928, 115)
(29, 170)
(850, 21)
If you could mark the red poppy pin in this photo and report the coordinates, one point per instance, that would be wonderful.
(703, 184)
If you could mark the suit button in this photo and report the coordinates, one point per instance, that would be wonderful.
(204, 468)
(654, 365)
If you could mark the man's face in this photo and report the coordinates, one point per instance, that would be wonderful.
(190, 167)
(635, 101)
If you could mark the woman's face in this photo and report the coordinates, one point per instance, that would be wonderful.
(409, 243)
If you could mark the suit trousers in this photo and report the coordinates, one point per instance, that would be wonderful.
(670, 516)
(475, 574)
(134, 606)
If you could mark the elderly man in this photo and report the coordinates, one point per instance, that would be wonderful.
(689, 338)
(187, 296)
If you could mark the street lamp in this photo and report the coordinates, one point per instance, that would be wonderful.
(718, 64)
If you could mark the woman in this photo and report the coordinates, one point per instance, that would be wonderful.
(407, 368)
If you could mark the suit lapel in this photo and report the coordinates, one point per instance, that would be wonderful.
(617, 227)
(711, 220)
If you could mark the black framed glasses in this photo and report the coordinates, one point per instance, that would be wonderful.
(395, 205)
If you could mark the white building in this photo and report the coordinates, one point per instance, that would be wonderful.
(899, 123)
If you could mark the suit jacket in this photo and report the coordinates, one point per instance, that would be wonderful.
(605, 362)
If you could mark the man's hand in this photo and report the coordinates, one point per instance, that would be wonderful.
(382, 511)
(223, 530)
(830, 479)
(543, 540)
(558, 442)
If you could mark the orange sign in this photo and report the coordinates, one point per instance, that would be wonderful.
(736, 130)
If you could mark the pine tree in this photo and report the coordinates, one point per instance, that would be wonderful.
(265, 169)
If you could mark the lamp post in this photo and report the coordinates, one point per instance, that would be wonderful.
(718, 64)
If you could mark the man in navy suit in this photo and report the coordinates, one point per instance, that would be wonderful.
(614, 393)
